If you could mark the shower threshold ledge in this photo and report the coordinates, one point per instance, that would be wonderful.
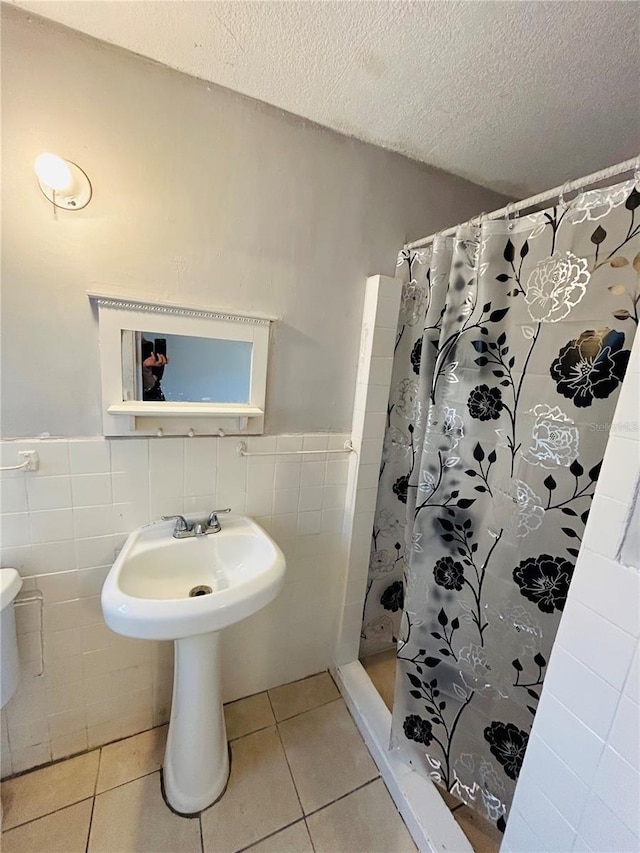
(425, 813)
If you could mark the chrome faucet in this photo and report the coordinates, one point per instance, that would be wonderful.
(183, 530)
(199, 528)
(213, 525)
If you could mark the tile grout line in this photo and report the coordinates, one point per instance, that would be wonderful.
(309, 834)
(93, 805)
(263, 728)
(284, 752)
(252, 732)
(344, 796)
(100, 749)
(114, 787)
(93, 801)
(128, 782)
(84, 799)
(47, 814)
(306, 711)
(21, 773)
(293, 781)
(326, 805)
(364, 784)
(86, 751)
(271, 834)
(68, 805)
(277, 727)
(271, 705)
(304, 817)
(160, 725)
(95, 784)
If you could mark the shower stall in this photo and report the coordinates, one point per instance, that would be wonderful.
(513, 337)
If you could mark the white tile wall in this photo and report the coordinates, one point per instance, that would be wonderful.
(360, 473)
(579, 789)
(61, 527)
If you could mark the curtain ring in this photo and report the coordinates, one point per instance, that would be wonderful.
(478, 224)
(566, 187)
(511, 209)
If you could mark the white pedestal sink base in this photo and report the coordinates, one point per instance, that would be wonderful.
(196, 763)
(147, 595)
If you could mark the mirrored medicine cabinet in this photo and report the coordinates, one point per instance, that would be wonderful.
(170, 369)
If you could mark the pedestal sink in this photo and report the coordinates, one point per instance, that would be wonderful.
(188, 590)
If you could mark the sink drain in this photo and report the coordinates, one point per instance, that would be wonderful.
(199, 590)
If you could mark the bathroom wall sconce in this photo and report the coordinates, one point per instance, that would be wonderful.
(63, 182)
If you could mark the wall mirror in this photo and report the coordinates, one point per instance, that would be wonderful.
(169, 369)
(188, 369)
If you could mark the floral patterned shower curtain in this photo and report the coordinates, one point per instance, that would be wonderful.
(512, 343)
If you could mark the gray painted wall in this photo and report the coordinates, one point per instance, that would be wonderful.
(199, 194)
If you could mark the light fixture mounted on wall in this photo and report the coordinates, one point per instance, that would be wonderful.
(63, 182)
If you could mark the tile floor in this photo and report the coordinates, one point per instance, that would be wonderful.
(484, 837)
(302, 781)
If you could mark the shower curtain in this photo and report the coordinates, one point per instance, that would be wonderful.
(512, 343)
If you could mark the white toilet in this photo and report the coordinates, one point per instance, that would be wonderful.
(10, 586)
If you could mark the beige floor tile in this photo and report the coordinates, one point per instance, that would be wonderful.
(381, 669)
(131, 758)
(293, 839)
(248, 715)
(366, 820)
(326, 754)
(300, 696)
(49, 789)
(259, 800)
(483, 835)
(134, 818)
(65, 831)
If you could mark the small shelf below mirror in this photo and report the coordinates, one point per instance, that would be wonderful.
(173, 369)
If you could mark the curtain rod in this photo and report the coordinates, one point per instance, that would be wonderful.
(619, 168)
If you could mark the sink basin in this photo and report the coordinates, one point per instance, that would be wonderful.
(147, 592)
(188, 590)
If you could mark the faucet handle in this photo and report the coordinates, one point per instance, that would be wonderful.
(181, 521)
(212, 521)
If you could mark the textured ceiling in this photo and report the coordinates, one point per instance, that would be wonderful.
(518, 96)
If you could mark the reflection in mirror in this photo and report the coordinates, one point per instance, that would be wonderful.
(182, 368)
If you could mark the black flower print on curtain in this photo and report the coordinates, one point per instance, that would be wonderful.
(418, 332)
(527, 328)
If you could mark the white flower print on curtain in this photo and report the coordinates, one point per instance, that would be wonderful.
(494, 446)
(421, 297)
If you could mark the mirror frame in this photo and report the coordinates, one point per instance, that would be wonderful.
(117, 313)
